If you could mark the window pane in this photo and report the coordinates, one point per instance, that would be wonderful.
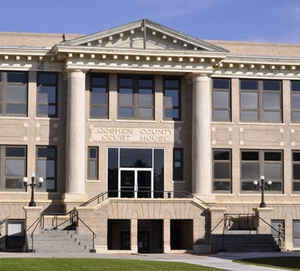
(275, 186)
(16, 109)
(222, 170)
(50, 168)
(296, 156)
(145, 113)
(172, 83)
(296, 172)
(92, 153)
(145, 97)
(271, 84)
(47, 152)
(41, 168)
(272, 100)
(125, 97)
(272, 171)
(14, 183)
(99, 97)
(98, 81)
(125, 112)
(272, 156)
(49, 92)
(222, 186)
(221, 115)
(272, 116)
(98, 111)
(249, 186)
(295, 85)
(50, 185)
(173, 99)
(249, 84)
(92, 174)
(43, 98)
(145, 83)
(295, 116)
(250, 156)
(221, 99)
(15, 152)
(296, 186)
(249, 100)
(249, 116)
(14, 167)
(136, 158)
(296, 100)
(17, 77)
(43, 110)
(158, 173)
(178, 154)
(126, 82)
(250, 171)
(17, 93)
(221, 83)
(221, 155)
(47, 78)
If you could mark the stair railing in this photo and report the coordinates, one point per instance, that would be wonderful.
(90, 230)
(34, 225)
(280, 233)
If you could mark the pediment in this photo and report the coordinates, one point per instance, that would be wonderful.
(143, 34)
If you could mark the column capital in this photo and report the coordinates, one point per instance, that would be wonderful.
(193, 75)
(69, 70)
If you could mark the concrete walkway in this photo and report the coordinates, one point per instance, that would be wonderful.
(221, 260)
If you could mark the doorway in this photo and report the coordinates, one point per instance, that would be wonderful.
(136, 183)
(150, 236)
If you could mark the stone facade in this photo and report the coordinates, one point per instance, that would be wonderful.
(146, 48)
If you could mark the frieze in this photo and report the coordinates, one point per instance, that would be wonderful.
(144, 135)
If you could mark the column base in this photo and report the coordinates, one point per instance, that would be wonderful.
(75, 197)
(206, 197)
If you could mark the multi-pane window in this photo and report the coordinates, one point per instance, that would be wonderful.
(136, 97)
(296, 170)
(295, 101)
(260, 100)
(221, 99)
(172, 99)
(93, 157)
(221, 170)
(46, 167)
(13, 93)
(267, 163)
(47, 94)
(13, 160)
(98, 96)
(177, 164)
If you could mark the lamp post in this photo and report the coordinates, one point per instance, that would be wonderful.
(32, 203)
(262, 186)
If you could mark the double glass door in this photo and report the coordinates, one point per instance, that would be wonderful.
(136, 183)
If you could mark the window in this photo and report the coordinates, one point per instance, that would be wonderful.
(221, 99)
(222, 170)
(47, 94)
(178, 164)
(46, 167)
(296, 171)
(136, 99)
(172, 100)
(98, 96)
(13, 161)
(295, 101)
(261, 100)
(93, 157)
(13, 93)
(268, 163)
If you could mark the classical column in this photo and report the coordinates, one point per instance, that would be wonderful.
(202, 169)
(75, 151)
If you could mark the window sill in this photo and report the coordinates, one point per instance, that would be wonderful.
(93, 181)
(99, 119)
(178, 181)
(172, 121)
(46, 118)
(13, 118)
(259, 194)
(137, 120)
(262, 123)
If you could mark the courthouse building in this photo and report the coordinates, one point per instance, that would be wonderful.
(153, 137)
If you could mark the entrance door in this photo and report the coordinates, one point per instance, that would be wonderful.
(144, 242)
(137, 183)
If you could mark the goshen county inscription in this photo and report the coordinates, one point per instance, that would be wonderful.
(146, 135)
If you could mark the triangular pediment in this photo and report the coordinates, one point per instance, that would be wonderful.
(143, 34)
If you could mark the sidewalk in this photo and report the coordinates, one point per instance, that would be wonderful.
(221, 260)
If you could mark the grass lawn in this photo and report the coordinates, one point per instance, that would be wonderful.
(43, 264)
(289, 263)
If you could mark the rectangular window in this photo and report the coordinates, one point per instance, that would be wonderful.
(93, 160)
(221, 99)
(178, 164)
(136, 97)
(98, 96)
(296, 170)
(113, 172)
(260, 100)
(221, 170)
(172, 99)
(13, 167)
(46, 167)
(295, 101)
(47, 94)
(256, 163)
(13, 93)
(296, 233)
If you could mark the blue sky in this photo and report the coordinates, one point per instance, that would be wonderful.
(251, 20)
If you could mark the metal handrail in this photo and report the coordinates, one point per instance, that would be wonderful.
(97, 197)
(70, 219)
(93, 233)
(37, 222)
